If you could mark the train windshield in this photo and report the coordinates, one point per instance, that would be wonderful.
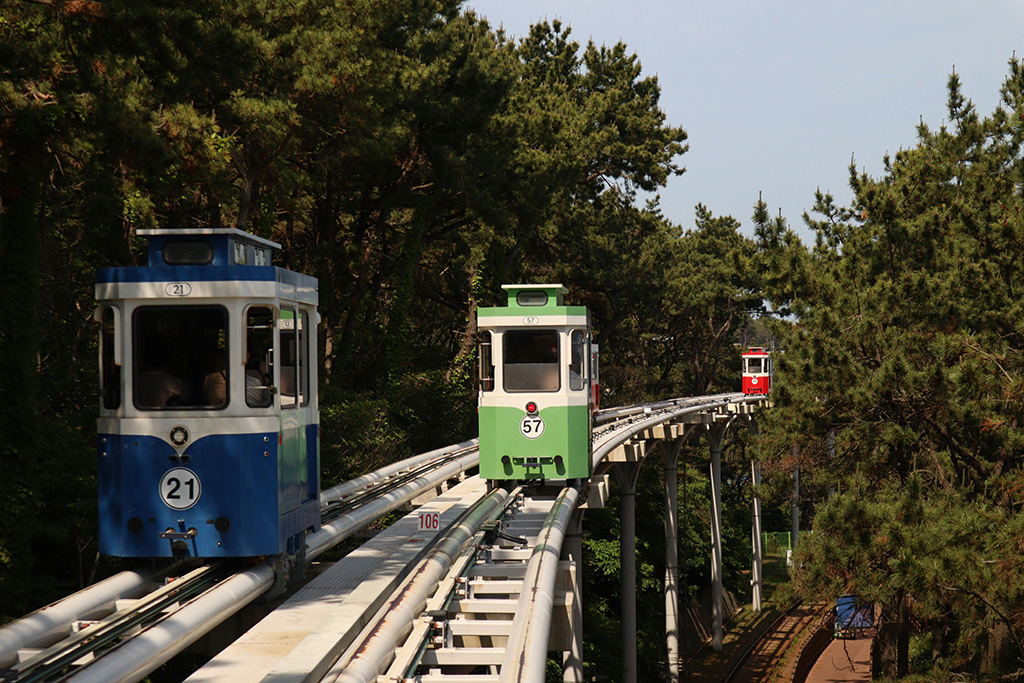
(531, 360)
(754, 365)
(180, 357)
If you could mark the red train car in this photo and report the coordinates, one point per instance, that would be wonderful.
(757, 370)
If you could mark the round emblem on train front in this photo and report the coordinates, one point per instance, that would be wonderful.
(532, 426)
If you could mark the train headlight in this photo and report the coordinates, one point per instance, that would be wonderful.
(531, 408)
(179, 436)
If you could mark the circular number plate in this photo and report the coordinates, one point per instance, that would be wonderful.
(180, 488)
(532, 426)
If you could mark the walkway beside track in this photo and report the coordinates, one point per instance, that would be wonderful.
(845, 660)
(313, 627)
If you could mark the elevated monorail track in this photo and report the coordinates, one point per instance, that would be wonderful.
(489, 617)
(489, 610)
(93, 631)
(492, 617)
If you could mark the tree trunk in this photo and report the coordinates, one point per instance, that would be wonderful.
(20, 259)
(891, 654)
(467, 340)
(21, 198)
(396, 340)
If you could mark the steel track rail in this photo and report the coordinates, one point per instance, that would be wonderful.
(55, 662)
(337, 508)
(351, 486)
(408, 602)
(526, 652)
(816, 610)
(757, 641)
(52, 623)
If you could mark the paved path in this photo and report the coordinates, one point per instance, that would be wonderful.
(843, 661)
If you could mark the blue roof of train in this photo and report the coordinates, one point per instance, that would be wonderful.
(200, 274)
(205, 255)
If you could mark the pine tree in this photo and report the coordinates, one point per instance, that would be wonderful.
(908, 349)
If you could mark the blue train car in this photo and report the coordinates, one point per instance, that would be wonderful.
(208, 437)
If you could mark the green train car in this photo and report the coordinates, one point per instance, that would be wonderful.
(537, 386)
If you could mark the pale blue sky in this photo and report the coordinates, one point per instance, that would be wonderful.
(777, 96)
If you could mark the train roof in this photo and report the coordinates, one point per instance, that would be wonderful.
(535, 295)
(533, 302)
(195, 260)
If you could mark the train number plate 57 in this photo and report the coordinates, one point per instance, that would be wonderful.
(532, 426)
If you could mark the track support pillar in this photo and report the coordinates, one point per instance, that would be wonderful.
(626, 474)
(717, 617)
(670, 451)
(572, 550)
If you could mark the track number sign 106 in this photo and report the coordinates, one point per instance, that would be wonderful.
(430, 521)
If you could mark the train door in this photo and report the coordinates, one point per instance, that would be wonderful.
(299, 461)
(293, 383)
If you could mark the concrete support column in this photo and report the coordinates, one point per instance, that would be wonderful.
(757, 550)
(670, 451)
(626, 475)
(572, 550)
(757, 563)
(795, 511)
(717, 617)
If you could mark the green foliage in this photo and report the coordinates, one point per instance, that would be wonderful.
(907, 354)
(409, 157)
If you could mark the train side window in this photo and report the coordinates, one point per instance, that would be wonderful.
(486, 370)
(110, 358)
(258, 358)
(303, 369)
(595, 364)
(577, 360)
(288, 356)
(531, 360)
(294, 326)
(180, 357)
